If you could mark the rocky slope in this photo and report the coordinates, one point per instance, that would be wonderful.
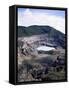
(34, 66)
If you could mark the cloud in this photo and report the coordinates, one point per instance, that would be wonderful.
(28, 18)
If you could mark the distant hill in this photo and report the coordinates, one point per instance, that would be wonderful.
(36, 30)
(52, 33)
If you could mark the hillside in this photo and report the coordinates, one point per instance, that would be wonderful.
(36, 30)
(53, 35)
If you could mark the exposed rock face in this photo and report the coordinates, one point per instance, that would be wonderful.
(41, 69)
(28, 49)
(31, 71)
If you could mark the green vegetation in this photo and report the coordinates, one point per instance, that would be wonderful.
(37, 30)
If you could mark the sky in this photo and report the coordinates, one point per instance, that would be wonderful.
(53, 18)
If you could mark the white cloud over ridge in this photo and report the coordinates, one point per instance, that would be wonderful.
(28, 18)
